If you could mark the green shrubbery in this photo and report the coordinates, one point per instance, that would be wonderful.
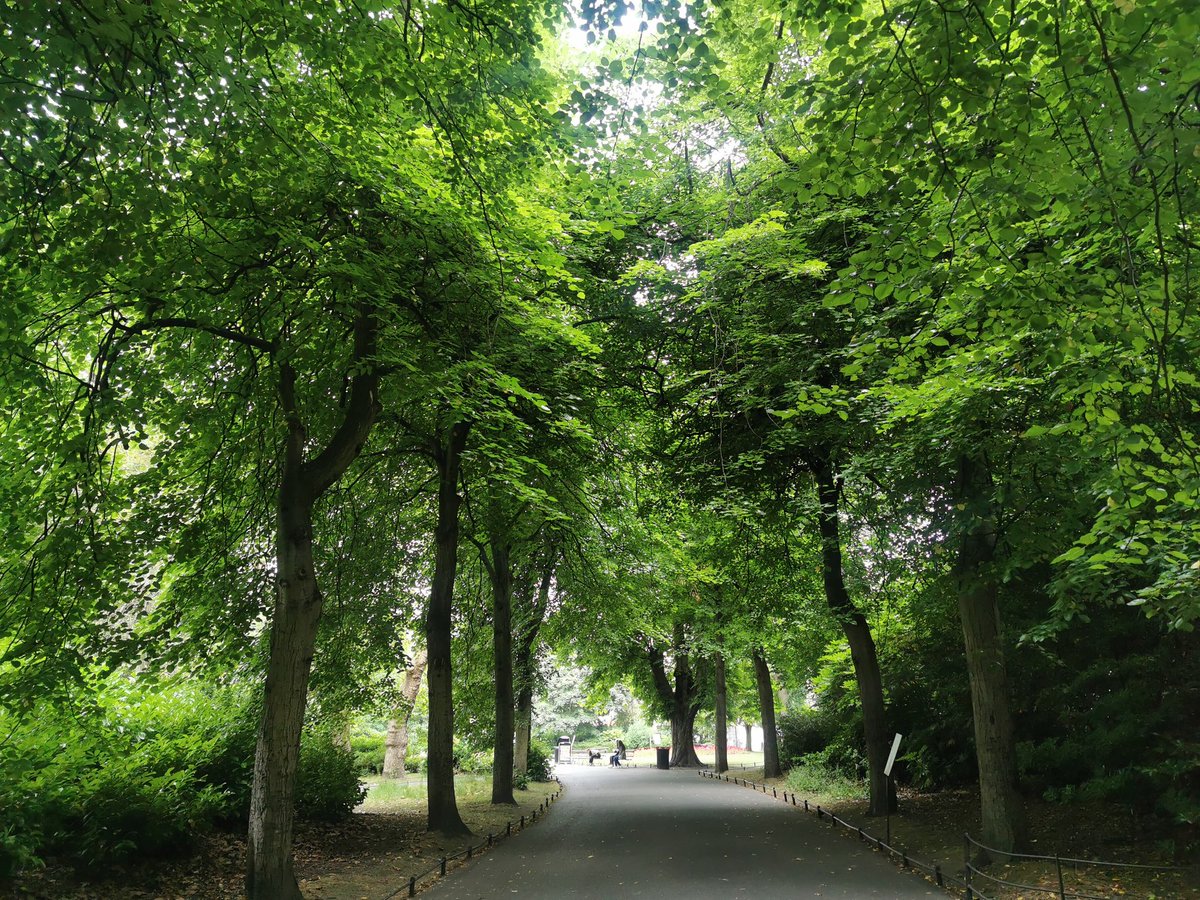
(369, 749)
(141, 773)
(638, 735)
(540, 757)
(327, 785)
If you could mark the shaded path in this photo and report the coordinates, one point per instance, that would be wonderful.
(649, 833)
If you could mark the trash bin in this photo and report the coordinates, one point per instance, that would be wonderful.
(664, 757)
(562, 752)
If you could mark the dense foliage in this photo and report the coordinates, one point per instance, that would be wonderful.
(847, 348)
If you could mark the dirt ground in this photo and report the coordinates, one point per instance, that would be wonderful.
(366, 858)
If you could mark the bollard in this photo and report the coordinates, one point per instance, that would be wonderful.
(412, 885)
(937, 876)
(794, 800)
(806, 804)
(469, 848)
(490, 838)
(820, 813)
(522, 821)
(904, 859)
(774, 794)
(442, 867)
(860, 833)
(508, 829)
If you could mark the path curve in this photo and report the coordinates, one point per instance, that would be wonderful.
(649, 833)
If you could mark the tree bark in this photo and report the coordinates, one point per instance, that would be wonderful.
(858, 634)
(269, 869)
(766, 702)
(1002, 811)
(502, 751)
(523, 723)
(749, 735)
(722, 714)
(680, 701)
(396, 746)
(443, 812)
(523, 674)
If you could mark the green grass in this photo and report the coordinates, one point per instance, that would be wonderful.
(823, 783)
(396, 794)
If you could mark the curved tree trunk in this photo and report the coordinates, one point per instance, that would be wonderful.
(396, 745)
(269, 869)
(722, 714)
(1002, 811)
(443, 813)
(766, 702)
(680, 701)
(683, 738)
(502, 750)
(858, 635)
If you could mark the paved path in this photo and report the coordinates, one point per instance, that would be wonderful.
(647, 833)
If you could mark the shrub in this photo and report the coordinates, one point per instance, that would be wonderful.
(327, 785)
(804, 732)
(369, 750)
(476, 763)
(638, 735)
(539, 767)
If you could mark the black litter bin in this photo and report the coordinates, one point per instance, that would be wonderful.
(664, 757)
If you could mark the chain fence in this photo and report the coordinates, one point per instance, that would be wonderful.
(409, 889)
(969, 877)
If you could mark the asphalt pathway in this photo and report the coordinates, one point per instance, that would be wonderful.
(647, 833)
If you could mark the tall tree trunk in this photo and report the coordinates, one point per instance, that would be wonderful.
(749, 735)
(523, 722)
(523, 675)
(269, 869)
(722, 713)
(1003, 814)
(396, 745)
(443, 813)
(502, 751)
(858, 634)
(766, 702)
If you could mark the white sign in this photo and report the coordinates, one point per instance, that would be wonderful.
(887, 770)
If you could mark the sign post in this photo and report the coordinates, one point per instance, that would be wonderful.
(887, 771)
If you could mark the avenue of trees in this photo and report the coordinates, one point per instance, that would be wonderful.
(831, 360)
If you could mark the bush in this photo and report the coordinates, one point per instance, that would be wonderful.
(802, 733)
(475, 763)
(638, 735)
(540, 768)
(140, 773)
(327, 785)
(369, 750)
